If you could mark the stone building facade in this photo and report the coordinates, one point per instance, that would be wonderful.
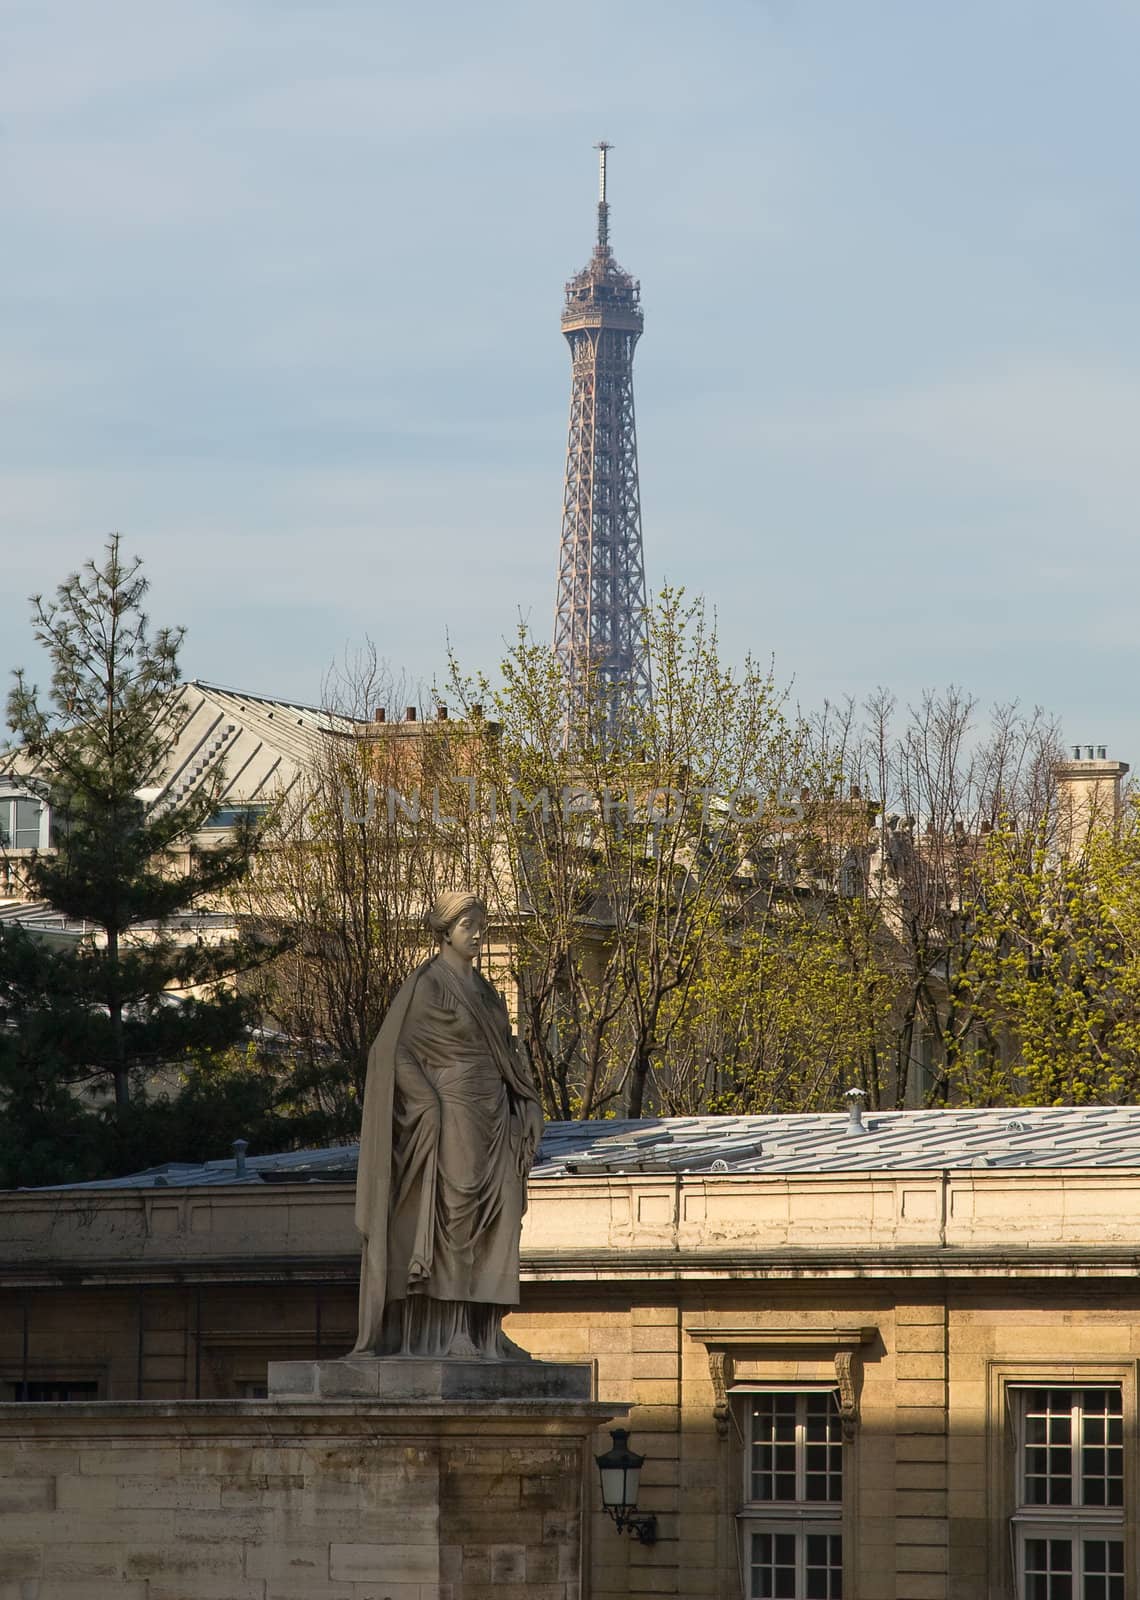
(895, 1365)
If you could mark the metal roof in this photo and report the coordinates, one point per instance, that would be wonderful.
(1003, 1138)
(259, 744)
(38, 916)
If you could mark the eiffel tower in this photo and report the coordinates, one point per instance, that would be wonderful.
(599, 617)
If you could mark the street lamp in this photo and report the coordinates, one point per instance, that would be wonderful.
(620, 1469)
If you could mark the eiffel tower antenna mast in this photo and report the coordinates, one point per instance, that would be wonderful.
(603, 208)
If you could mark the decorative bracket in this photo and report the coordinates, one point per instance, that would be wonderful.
(720, 1371)
(848, 1406)
(723, 1344)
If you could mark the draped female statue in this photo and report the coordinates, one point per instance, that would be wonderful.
(450, 1129)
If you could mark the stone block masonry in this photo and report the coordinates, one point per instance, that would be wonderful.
(279, 1500)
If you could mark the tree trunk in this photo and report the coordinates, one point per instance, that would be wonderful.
(641, 1068)
(115, 1010)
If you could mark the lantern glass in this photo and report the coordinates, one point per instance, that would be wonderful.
(613, 1487)
(620, 1470)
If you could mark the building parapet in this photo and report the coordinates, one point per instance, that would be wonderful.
(862, 1224)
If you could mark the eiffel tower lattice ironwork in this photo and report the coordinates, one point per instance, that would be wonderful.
(599, 616)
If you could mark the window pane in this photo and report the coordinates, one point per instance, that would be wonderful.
(797, 1449)
(1060, 1555)
(774, 1447)
(1102, 1567)
(26, 834)
(774, 1566)
(818, 1412)
(823, 1566)
(1102, 1453)
(1048, 1569)
(55, 1389)
(231, 816)
(1047, 1461)
(823, 1452)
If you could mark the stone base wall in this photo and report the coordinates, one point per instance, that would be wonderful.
(256, 1500)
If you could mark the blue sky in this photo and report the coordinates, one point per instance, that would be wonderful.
(281, 283)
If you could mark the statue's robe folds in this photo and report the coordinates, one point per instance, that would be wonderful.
(449, 1127)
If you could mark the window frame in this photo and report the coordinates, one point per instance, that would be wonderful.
(11, 799)
(1073, 1533)
(90, 1387)
(801, 1534)
(237, 811)
(801, 1517)
(1078, 1522)
(1018, 1397)
(1012, 1520)
(14, 1375)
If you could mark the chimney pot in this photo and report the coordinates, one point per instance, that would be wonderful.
(1102, 752)
(1088, 752)
(1076, 752)
(240, 1147)
(410, 714)
(476, 710)
(855, 1099)
(379, 714)
(441, 713)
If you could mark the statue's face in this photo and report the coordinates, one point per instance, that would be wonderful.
(466, 934)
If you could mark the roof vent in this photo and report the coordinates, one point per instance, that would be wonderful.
(719, 1165)
(981, 1161)
(855, 1099)
(240, 1147)
(1016, 1125)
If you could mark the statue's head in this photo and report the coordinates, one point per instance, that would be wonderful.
(449, 908)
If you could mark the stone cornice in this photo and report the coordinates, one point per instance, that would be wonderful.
(616, 1267)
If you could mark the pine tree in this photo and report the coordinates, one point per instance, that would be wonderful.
(128, 998)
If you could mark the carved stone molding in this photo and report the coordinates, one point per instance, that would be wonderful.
(725, 1343)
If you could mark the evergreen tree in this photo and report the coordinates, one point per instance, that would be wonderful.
(129, 997)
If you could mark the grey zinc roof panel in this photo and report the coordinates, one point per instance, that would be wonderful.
(1006, 1138)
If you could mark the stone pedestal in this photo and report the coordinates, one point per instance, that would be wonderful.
(416, 1378)
(368, 1495)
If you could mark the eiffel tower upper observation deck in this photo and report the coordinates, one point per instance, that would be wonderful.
(599, 618)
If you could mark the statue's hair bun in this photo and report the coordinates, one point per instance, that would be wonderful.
(448, 909)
